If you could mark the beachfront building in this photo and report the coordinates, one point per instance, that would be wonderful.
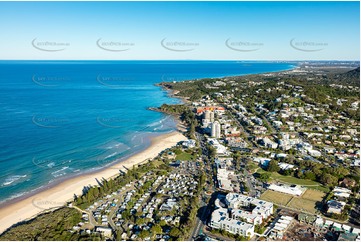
(218, 110)
(209, 115)
(216, 130)
(191, 143)
(221, 220)
(208, 118)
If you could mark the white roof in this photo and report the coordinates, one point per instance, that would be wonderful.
(342, 194)
(234, 198)
(220, 216)
(287, 217)
(282, 221)
(346, 227)
(243, 214)
(286, 189)
(319, 220)
(328, 222)
(337, 225)
(282, 225)
(342, 190)
(278, 228)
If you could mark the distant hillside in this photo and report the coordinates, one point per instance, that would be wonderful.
(350, 78)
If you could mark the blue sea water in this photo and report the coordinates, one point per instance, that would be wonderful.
(63, 118)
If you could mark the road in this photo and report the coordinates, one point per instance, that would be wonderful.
(217, 236)
(90, 215)
(94, 223)
(252, 191)
(205, 213)
(198, 228)
(265, 120)
(199, 222)
(241, 127)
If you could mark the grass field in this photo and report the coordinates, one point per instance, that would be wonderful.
(276, 197)
(307, 202)
(184, 156)
(313, 195)
(303, 205)
(293, 180)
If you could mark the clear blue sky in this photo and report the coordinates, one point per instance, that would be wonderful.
(267, 28)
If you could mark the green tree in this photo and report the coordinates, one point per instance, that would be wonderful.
(144, 233)
(328, 180)
(273, 166)
(119, 235)
(96, 192)
(264, 177)
(309, 175)
(156, 229)
(175, 232)
(212, 152)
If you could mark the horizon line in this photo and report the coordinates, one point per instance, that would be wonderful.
(179, 60)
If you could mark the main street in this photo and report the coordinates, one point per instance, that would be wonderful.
(197, 230)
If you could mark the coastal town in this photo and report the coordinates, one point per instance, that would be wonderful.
(272, 156)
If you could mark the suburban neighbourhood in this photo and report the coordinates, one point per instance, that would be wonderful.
(267, 157)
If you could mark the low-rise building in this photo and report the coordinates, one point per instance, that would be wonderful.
(293, 189)
(268, 143)
(342, 192)
(106, 231)
(335, 206)
(189, 143)
(285, 166)
(280, 227)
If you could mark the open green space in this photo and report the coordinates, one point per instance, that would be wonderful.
(303, 205)
(293, 180)
(185, 156)
(276, 197)
(309, 201)
(313, 195)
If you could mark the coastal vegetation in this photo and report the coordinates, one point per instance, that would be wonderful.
(59, 224)
(55, 225)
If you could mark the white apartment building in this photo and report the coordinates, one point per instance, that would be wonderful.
(216, 130)
(222, 220)
(263, 208)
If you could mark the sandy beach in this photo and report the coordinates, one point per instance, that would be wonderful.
(61, 193)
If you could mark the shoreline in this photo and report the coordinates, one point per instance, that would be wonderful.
(55, 195)
(63, 192)
(102, 167)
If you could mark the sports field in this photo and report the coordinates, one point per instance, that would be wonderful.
(276, 197)
(303, 205)
(307, 202)
(313, 195)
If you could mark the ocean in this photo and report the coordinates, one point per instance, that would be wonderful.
(60, 119)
